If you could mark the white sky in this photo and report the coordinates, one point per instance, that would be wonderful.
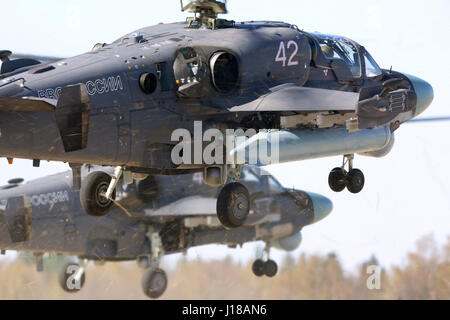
(407, 194)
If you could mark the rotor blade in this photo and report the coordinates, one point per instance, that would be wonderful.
(26, 105)
(290, 97)
(431, 119)
(41, 58)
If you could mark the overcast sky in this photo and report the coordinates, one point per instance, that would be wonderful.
(407, 192)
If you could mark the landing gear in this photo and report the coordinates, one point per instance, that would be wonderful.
(233, 205)
(258, 268)
(339, 179)
(233, 202)
(72, 277)
(355, 181)
(98, 191)
(154, 280)
(154, 283)
(268, 268)
(93, 194)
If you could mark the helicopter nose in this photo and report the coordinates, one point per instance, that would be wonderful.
(424, 92)
(322, 206)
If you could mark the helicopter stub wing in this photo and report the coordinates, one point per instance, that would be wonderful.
(72, 117)
(72, 111)
(29, 104)
(290, 97)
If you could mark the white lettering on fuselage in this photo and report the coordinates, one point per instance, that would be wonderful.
(97, 86)
(49, 198)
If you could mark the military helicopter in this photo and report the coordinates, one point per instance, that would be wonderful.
(311, 95)
(157, 216)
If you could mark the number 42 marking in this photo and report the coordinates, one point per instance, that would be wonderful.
(281, 55)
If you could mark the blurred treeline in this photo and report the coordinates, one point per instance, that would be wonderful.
(424, 274)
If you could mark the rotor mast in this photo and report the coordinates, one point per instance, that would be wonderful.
(206, 14)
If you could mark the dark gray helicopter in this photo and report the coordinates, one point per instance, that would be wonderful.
(315, 95)
(156, 216)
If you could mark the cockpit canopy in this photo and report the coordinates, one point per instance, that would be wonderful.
(356, 57)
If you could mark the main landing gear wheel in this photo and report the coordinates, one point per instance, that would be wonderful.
(339, 179)
(92, 194)
(72, 277)
(233, 205)
(154, 283)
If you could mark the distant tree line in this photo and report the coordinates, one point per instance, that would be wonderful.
(425, 274)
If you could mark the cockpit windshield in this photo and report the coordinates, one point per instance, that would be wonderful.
(372, 68)
(341, 48)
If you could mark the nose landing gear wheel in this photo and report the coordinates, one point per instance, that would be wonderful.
(267, 268)
(270, 268)
(154, 283)
(92, 193)
(233, 205)
(337, 179)
(355, 181)
(72, 278)
(258, 268)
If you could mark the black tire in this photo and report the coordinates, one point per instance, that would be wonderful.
(337, 179)
(258, 268)
(90, 194)
(66, 278)
(233, 205)
(355, 181)
(270, 268)
(154, 283)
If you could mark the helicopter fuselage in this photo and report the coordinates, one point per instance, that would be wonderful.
(153, 81)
